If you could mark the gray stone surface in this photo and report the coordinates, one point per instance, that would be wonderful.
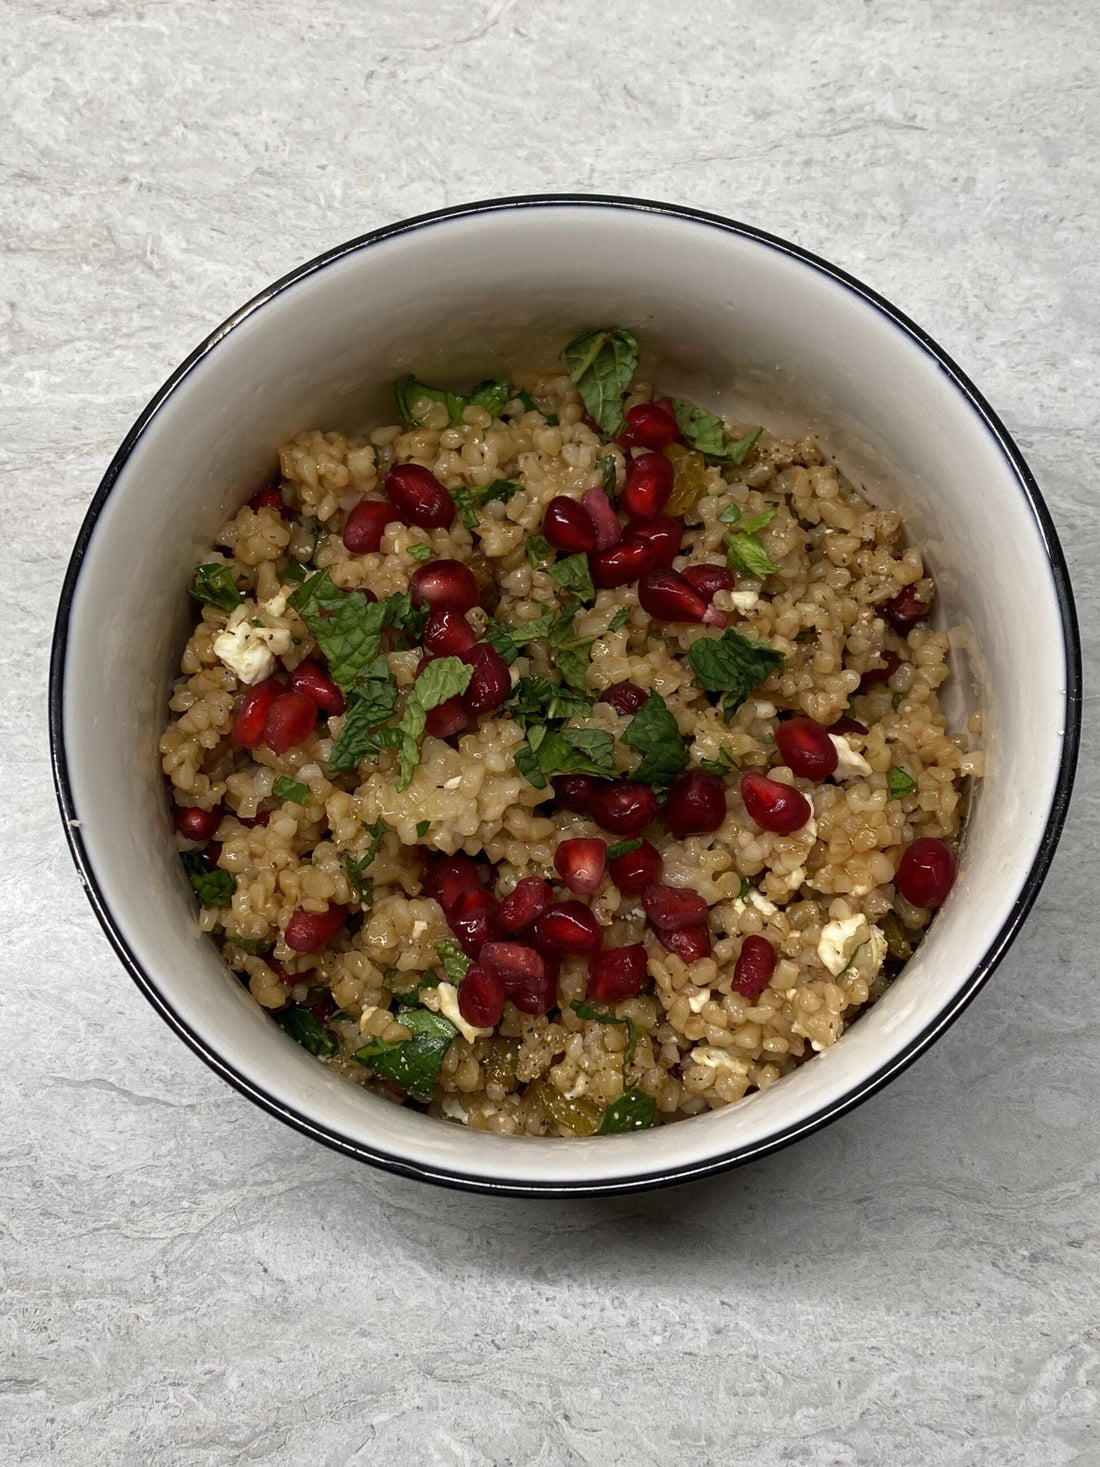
(186, 1282)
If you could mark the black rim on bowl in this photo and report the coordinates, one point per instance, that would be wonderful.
(668, 1175)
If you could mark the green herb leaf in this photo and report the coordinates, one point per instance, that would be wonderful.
(347, 629)
(707, 433)
(606, 467)
(214, 888)
(411, 394)
(291, 789)
(730, 515)
(469, 501)
(572, 663)
(619, 620)
(537, 700)
(374, 705)
(633, 1111)
(566, 751)
(259, 947)
(573, 574)
(722, 765)
(420, 552)
(745, 553)
(732, 664)
(422, 828)
(746, 887)
(653, 731)
(759, 521)
(602, 363)
(491, 396)
(899, 784)
(464, 504)
(414, 1063)
(213, 585)
(622, 848)
(357, 868)
(539, 551)
(585, 1010)
(896, 701)
(302, 1027)
(454, 960)
(444, 678)
(509, 640)
(294, 570)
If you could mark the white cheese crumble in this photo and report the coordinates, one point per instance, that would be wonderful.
(443, 999)
(250, 652)
(451, 1108)
(717, 1059)
(698, 1001)
(765, 710)
(419, 927)
(850, 764)
(744, 600)
(840, 941)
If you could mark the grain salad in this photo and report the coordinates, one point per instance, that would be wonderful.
(563, 759)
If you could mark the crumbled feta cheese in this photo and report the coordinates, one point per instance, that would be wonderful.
(443, 999)
(718, 1059)
(765, 710)
(419, 927)
(761, 903)
(850, 763)
(451, 1108)
(840, 941)
(250, 652)
(744, 600)
(698, 1001)
(275, 607)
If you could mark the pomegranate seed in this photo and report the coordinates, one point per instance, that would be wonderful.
(446, 718)
(846, 725)
(617, 973)
(805, 747)
(537, 994)
(491, 682)
(754, 967)
(525, 904)
(196, 824)
(268, 498)
(307, 931)
(568, 928)
(926, 873)
(447, 877)
(323, 1006)
(213, 854)
(635, 870)
(708, 580)
(310, 679)
(663, 533)
(671, 907)
(696, 804)
(523, 972)
(262, 818)
(581, 863)
(648, 486)
(688, 943)
(364, 591)
(289, 722)
(364, 526)
(649, 425)
(481, 997)
(447, 633)
(280, 972)
(621, 564)
(419, 497)
(444, 583)
(625, 698)
(890, 664)
(567, 526)
(590, 422)
(774, 806)
(625, 808)
(905, 610)
(574, 791)
(601, 512)
(671, 597)
(473, 920)
(248, 726)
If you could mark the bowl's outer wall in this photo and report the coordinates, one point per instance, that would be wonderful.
(729, 315)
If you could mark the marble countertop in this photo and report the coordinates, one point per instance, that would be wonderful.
(187, 1282)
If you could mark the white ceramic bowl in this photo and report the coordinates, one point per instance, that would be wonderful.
(456, 294)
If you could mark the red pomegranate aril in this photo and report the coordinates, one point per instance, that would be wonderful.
(364, 591)
(601, 512)
(754, 967)
(537, 994)
(447, 877)
(574, 791)
(250, 822)
(688, 943)
(444, 583)
(581, 863)
(626, 698)
(248, 726)
(905, 610)
(364, 525)
(696, 804)
(447, 633)
(926, 872)
(568, 526)
(525, 904)
(708, 580)
(268, 498)
(196, 824)
(805, 748)
(621, 564)
(289, 721)
(649, 425)
(515, 962)
(671, 907)
(625, 808)
(671, 597)
(481, 997)
(307, 931)
(419, 497)
(663, 533)
(846, 725)
(447, 718)
(648, 486)
(473, 920)
(634, 870)
(777, 807)
(491, 682)
(213, 854)
(617, 973)
(568, 929)
(890, 664)
(312, 680)
(283, 975)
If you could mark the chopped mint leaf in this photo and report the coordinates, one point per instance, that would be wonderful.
(619, 620)
(454, 960)
(357, 868)
(899, 784)
(302, 1027)
(572, 663)
(622, 848)
(444, 678)
(537, 700)
(414, 1063)
(491, 396)
(291, 789)
(745, 553)
(420, 552)
(369, 709)
(565, 751)
(633, 1111)
(464, 504)
(707, 433)
(722, 765)
(508, 640)
(539, 551)
(422, 828)
(896, 701)
(653, 731)
(732, 664)
(730, 515)
(213, 887)
(295, 571)
(411, 394)
(259, 947)
(529, 403)
(759, 521)
(213, 585)
(746, 887)
(606, 467)
(347, 628)
(469, 501)
(602, 363)
(573, 574)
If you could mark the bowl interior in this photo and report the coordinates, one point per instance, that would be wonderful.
(722, 315)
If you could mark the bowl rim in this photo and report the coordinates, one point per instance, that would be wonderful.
(644, 1179)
